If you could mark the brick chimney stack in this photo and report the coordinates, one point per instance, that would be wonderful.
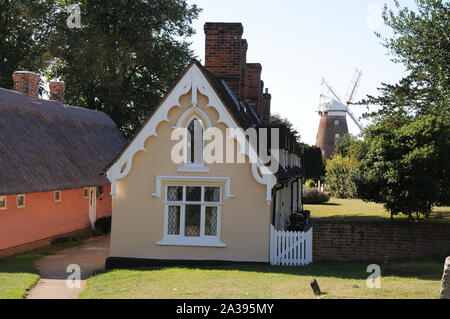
(27, 82)
(57, 89)
(244, 47)
(266, 99)
(223, 53)
(254, 89)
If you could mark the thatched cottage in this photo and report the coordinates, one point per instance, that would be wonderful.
(51, 161)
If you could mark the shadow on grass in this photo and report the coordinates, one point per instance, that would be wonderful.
(425, 270)
(324, 204)
(24, 263)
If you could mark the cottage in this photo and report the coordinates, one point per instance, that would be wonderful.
(51, 160)
(194, 210)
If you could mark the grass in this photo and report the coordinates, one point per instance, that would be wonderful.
(337, 279)
(358, 209)
(18, 273)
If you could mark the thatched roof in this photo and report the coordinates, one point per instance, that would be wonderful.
(47, 146)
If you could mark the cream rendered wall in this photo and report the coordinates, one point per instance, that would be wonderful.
(138, 217)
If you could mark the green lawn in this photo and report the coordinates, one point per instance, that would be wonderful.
(336, 279)
(357, 209)
(18, 273)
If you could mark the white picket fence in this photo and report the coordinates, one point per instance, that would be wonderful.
(289, 248)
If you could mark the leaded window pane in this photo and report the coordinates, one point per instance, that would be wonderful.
(212, 194)
(173, 224)
(174, 193)
(211, 221)
(193, 194)
(192, 221)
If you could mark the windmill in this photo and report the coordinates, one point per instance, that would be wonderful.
(333, 113)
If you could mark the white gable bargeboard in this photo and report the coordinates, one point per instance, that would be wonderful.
(193, 79)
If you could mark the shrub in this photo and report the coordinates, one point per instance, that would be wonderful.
(103, 225)
(314, 196)
(341, 175)
(80, 236)
(312, 184)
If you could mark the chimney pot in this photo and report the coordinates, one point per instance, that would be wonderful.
(57, 89)
(27, 82)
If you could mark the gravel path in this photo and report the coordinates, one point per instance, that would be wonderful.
(53, 269)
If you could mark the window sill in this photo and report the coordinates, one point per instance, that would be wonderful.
(191, 242)
(194, 168)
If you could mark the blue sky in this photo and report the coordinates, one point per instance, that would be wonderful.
(300, 41)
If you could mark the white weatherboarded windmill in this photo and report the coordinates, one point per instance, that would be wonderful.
(333, 113)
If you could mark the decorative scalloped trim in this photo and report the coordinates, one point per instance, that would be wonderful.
(193, 80)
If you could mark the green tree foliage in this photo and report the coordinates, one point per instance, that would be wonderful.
(20, 29)
(343, 143)
(421, 42)
(311, 183)
(408, 168)
(340, 175)
(122, 59)
(312, 161)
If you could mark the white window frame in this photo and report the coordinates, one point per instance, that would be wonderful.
(60, 197)
(6, 204)
(188, 166)
(17, 201)
(182, 240)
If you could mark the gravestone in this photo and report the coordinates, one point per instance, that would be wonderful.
(445, 291)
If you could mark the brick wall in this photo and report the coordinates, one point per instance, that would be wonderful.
(38, 244)
(379, 240)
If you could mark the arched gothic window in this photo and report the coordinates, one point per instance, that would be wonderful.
(195, 142)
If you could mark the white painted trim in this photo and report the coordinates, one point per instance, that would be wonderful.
(24, 201)
(181, 239)
(6, 203)
(193, 168)
(192, 80)
(60, 197)
(191, 111)
(199, 242)
(178, 178)
(337, 113)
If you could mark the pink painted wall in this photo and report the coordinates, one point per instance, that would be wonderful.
(43, 218)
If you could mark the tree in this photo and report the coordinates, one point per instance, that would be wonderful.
(312, 161)
(122, 59)
(340, 174)
(20, 27)
(343, 143)
(407, 168)
(421, 42)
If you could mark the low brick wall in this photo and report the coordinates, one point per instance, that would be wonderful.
(378, 240)
(37, 244)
